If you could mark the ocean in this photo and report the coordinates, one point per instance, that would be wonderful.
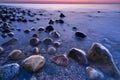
(66, 6)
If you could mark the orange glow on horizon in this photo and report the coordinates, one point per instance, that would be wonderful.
(65, 1)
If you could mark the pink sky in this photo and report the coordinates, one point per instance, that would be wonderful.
(64, 1)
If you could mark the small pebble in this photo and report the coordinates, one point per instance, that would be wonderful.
(18, 29)
(41, 29)
(80, 35)
(51, 50)
(56, 44)
(51, 22)
(94, 74)
(34, 41)
(33, 29)
(35, 50)
(55, 34)
(62, 15)
(47, 41)
(49, 28)
(4, 35)
(59, 21)
(1, 50)
(27, 31)
(34, 35)
(11, 34)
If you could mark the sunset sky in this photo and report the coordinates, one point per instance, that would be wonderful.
(64, 1)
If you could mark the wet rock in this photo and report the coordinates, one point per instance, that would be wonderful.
(94, 74)
(35, 50)
(47, 41)
(4, 35)
(33, 63)
(49, 28)
(34, 41)
(11, 34)
(80, 35)
(9, 42)
(9, 71)
(27, 31)
(41, 29)
(33, 78)
(51, 50)
(16, 55)
(98, 11)
(62, 15)
(33, 29)
(18, 29)
(103, 59)
(59, 21)
(61, 60)
(56, 44)
(34, 35)
(79, 55)
(51, 22)
(1, 50)
(74, 28)
(55, 34)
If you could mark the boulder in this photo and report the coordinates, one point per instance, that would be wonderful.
(9, 71)
(78, 55)
(101, 56)
(33, 63)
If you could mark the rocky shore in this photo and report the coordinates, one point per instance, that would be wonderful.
(46, 45)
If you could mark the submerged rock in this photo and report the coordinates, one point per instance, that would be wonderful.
(94, 74)
(33, 63)
(49, 28)
(47, 41)
(80, 35)
(34, 41)
(79, 55)
(51, 50)
(50, 68)
(1, 50)
(103, 58)
(16, 55)
(61, 60)
(55, 34)
(9, 42)
(33, 78)
(9, 71)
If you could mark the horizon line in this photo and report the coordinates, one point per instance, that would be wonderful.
(64, 2)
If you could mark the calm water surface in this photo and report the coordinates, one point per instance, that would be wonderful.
(67, 6)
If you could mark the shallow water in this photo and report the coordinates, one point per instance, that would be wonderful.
(101, 27)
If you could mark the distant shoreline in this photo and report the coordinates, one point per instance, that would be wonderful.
(50, 3)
